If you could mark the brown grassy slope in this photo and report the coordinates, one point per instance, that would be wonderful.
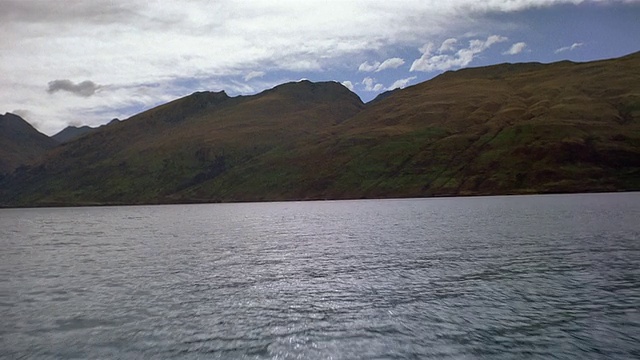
(522, 128)
(519, 128)
(20, 143)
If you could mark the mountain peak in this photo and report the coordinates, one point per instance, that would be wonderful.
(13, 122)
(209, 96)
(11, 117)
(306, 84)
(20, 143)
(305, 90)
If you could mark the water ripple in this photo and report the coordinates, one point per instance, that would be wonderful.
(534, 277)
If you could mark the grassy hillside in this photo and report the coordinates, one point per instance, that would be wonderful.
(525, 128)
(506, 129)
(510, 128)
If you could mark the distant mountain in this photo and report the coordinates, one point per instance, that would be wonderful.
(503, 129)
(73, 132)
(20, 143)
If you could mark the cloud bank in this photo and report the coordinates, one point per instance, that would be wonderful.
(152, 51)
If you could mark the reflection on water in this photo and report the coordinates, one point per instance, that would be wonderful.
(492, 277)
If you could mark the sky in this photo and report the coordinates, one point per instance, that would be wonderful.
(78, 62)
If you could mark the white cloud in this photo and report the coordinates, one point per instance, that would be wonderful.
(440, 60)
(366, 67)
(348, 84)
(516, 48)
(569, 48)
(392, 63)
(493, 39)
(448, 45)
(401, 83)
(136, 46)
(370, 84)
(253, 75)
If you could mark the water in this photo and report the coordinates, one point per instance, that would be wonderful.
(460, 278)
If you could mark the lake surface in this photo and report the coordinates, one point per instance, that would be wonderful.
(532, 277)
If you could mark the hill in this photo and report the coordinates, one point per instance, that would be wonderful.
(503, 129)
(523, 128)
(20, 143)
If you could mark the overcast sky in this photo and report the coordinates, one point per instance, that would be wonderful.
(86, 62)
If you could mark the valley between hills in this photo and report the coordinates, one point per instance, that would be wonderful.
(505, 129)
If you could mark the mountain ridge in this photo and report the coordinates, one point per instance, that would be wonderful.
(72, 132)
(502, 129)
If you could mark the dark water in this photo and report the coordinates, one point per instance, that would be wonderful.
(548, 277)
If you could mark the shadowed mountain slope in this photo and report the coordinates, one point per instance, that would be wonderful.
(20, 143)
(73, 132)
(178, 145)
(510, 128)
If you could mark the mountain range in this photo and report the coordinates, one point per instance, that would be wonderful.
(502, 129)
